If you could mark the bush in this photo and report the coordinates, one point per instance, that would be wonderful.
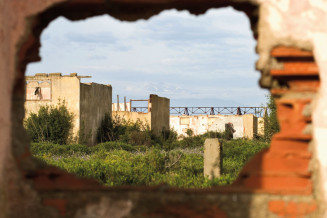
(138, 133)
(50, 124)
(119, 129)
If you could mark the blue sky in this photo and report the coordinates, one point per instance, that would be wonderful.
(206, 60)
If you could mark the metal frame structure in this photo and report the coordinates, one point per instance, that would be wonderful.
(257, 111)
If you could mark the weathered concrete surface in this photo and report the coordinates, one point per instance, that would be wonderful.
(250, 125)
(261, 126)
(88, 102)
(157, 117)
(95, 102)
(245, 126)
(212, 158)
(63, 88)
(159, 114)
(145, 118)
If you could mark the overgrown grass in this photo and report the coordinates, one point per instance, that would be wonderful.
(119, 163)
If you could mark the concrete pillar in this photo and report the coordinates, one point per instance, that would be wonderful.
(250, 126)
(212, 159)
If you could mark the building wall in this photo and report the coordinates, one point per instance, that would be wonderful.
(261, 126)
(244, 125)
(220, 121)
(63, 89)
(145, 118)
(250, 125)
(95, 102)
(160, 107)
(157, 117)
(121, 106)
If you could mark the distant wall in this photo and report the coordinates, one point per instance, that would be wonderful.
(96, 100)
(122, 106)
(250, 123)
(261, 126)
(201, 124)
(157, 116)
(133, 116)
(55, 86)
(159, 113)
(244, 125)
(218, 124)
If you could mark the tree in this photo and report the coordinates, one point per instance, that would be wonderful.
(270, 119)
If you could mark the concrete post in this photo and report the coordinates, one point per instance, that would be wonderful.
(212, 160)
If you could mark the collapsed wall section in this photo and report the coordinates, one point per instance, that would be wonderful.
(157, 117)
(159, 114)
(95, 102)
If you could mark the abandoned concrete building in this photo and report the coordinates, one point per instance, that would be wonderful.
(245, 126)
(156, 114)
(287, 180)
(88, 102)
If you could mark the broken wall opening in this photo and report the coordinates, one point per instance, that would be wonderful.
(65, 199)
(157, 121)
(156, 115)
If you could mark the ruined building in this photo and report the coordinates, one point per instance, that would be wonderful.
(287, 180)
(156, 115)
(88, 102)
(244, 126)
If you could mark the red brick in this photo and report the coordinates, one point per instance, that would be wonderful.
(297, 85)
(294, 136)
(296, 69)
(286, 145)
(304, 85)
(59, 204)
(292, 209)
(273, 164)
(280, 184)
(279, 163)
(290, 115)
(283, 51)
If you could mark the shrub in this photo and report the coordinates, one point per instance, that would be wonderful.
(106, 130)
(119, 129)
(189, 132)
(50, 124)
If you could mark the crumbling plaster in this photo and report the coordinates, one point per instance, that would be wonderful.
(299, 23)
(302, 24)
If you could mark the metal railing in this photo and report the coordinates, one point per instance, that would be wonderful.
(257, 111)
(139, 109)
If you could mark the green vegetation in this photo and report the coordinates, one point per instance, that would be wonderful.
(130, 154)
(50, 124)
(119, 129)
(271, 121)
(119, 163)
